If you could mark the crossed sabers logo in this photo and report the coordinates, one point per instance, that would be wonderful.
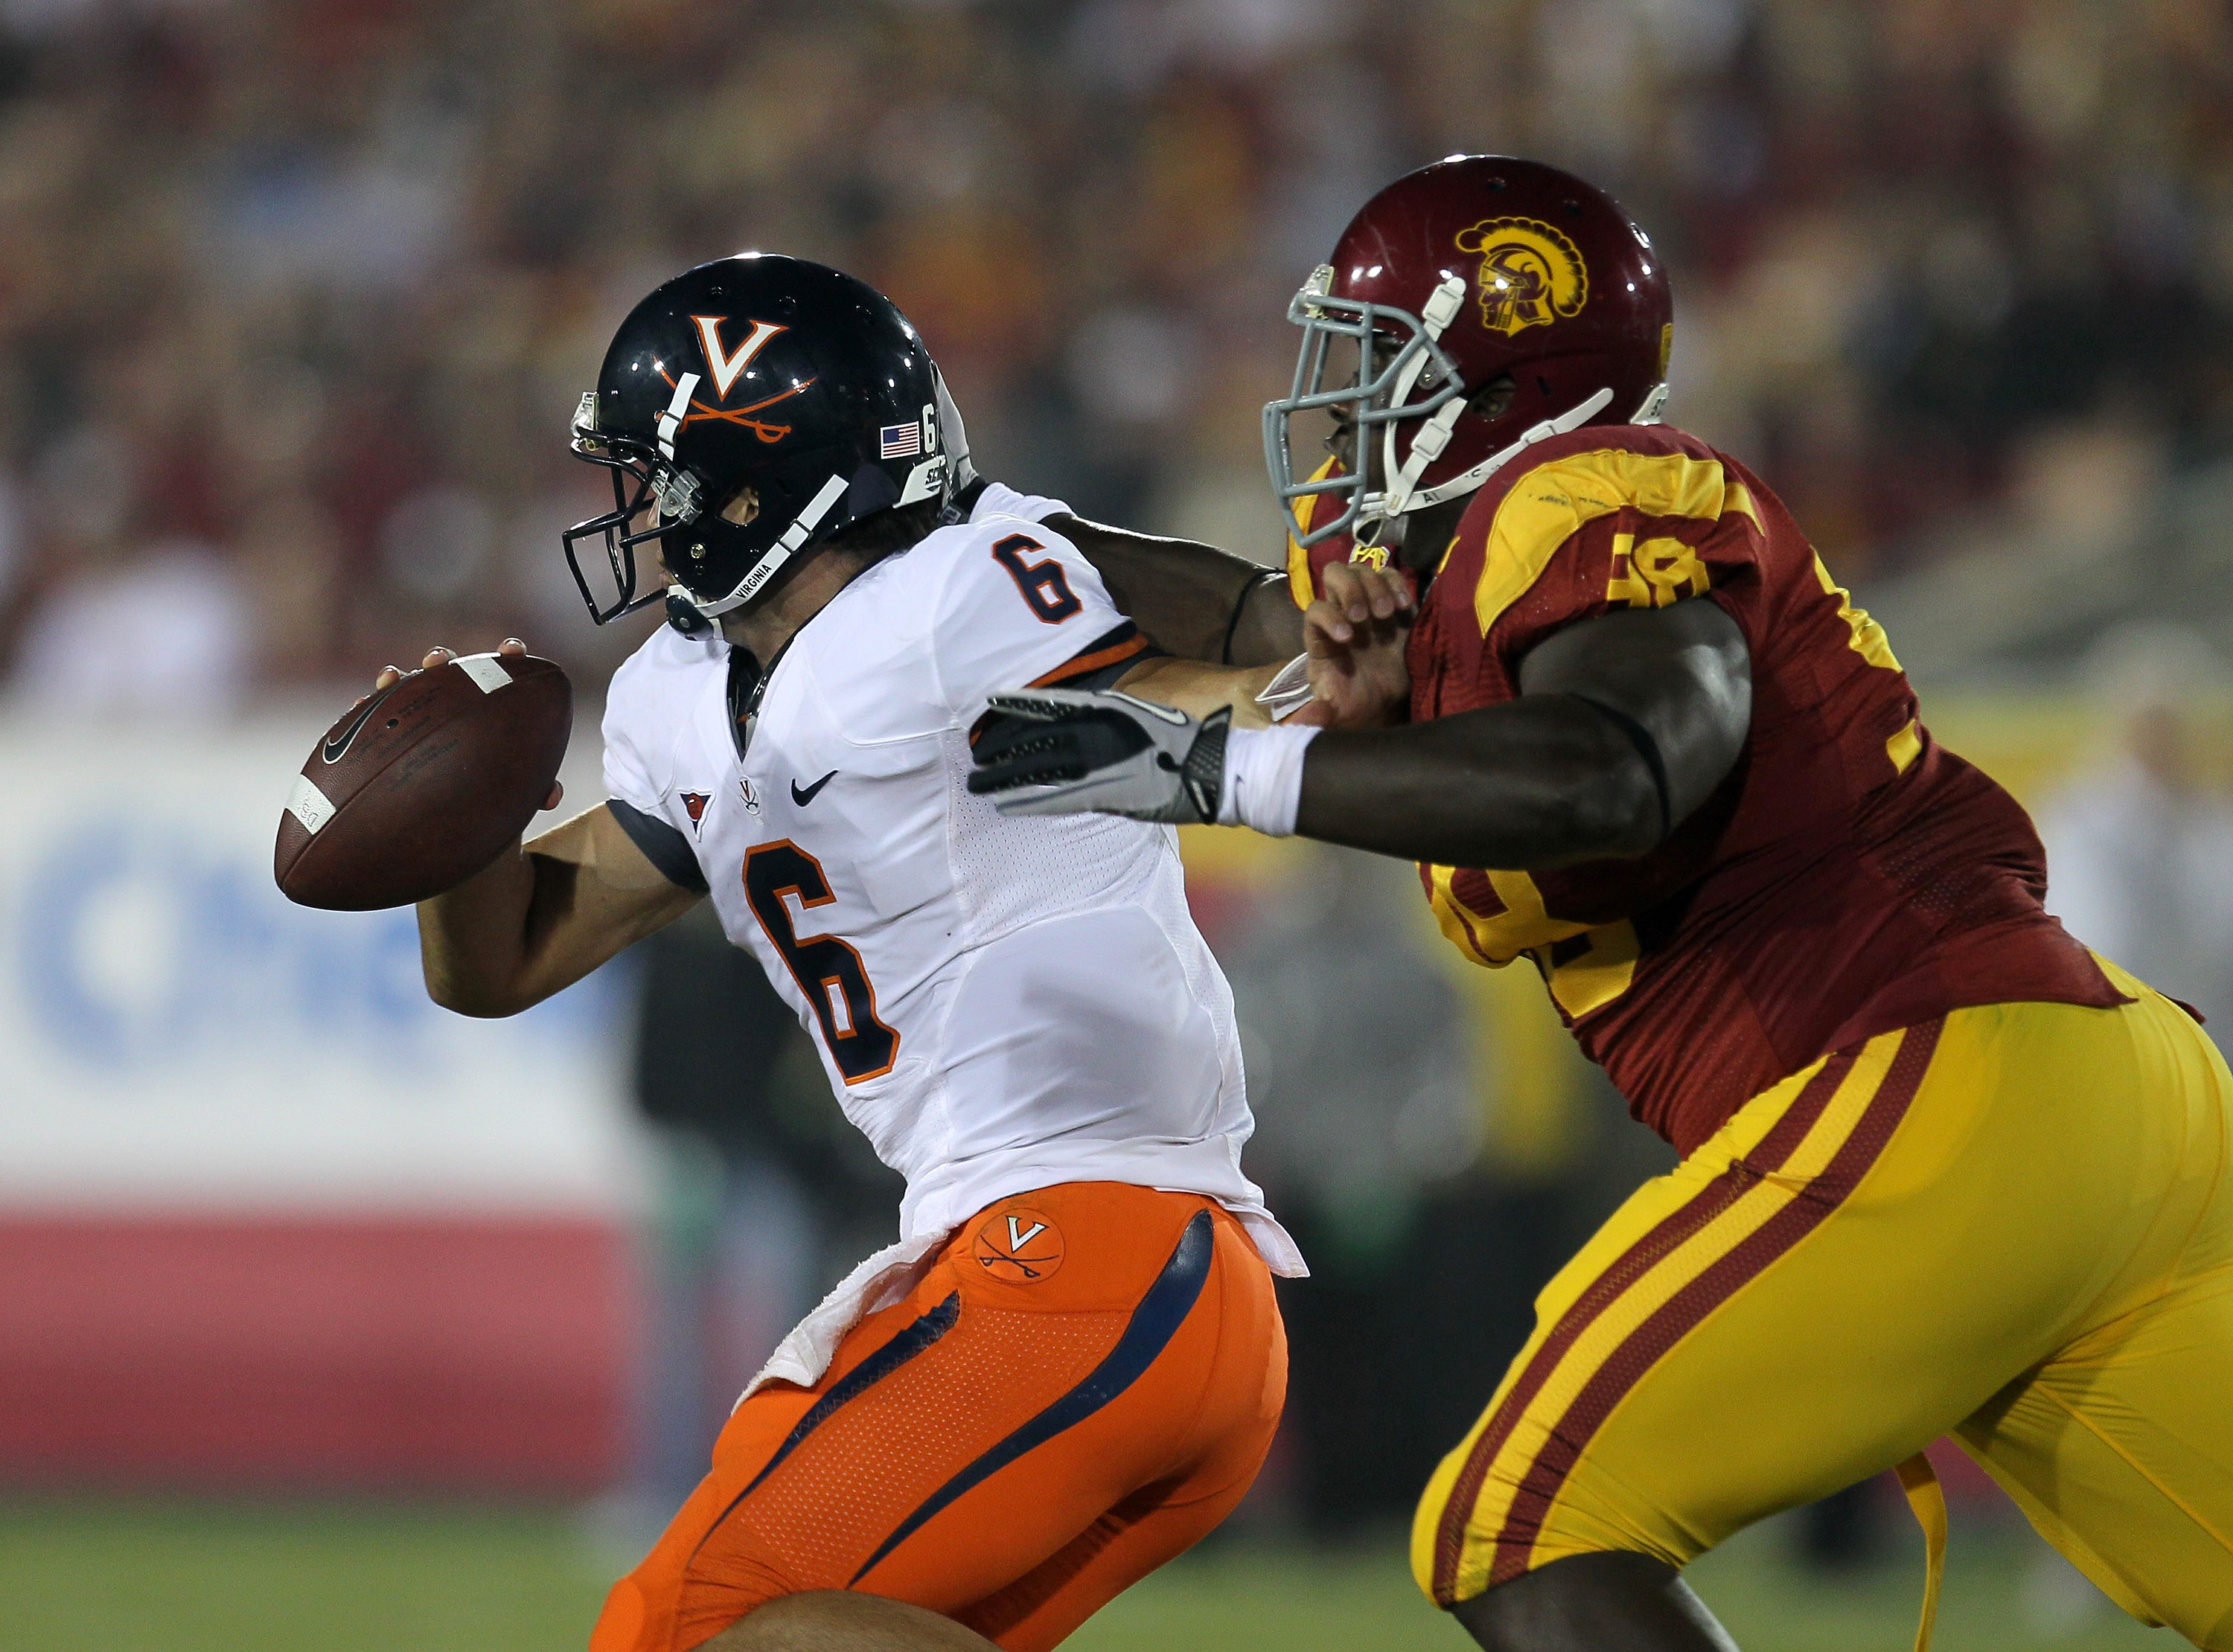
(1019, 1246)
(727, 368)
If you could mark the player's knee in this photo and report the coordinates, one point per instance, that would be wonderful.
(837, 1620)
(1584, 1603)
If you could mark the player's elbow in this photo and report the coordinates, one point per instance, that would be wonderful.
(1614, 813)
(482, 1000)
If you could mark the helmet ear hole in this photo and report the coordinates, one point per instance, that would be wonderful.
(1493, 399)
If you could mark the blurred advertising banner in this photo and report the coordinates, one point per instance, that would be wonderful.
(267, 1215)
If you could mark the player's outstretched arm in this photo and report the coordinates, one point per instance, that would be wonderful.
(1624, 726)
(1199, 689)
(1197, 602)
(544, 914)
(1353, 640)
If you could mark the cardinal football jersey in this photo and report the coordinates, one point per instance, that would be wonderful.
(1000, 1004)
(1850, 876)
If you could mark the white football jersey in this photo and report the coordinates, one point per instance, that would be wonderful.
(1001, 1005)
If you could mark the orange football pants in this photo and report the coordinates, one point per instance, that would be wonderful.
(1082, 1386)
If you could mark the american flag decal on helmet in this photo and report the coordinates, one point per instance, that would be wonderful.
(900, 441)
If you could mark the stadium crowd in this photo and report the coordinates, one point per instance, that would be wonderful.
(296, 298)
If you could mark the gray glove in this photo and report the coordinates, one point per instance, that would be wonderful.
(1068, 751)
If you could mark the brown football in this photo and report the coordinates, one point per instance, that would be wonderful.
(423, 783)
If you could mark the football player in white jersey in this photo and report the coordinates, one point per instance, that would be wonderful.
(1070, 1366)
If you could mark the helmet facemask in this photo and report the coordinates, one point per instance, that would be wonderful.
(645, 482)
(1397, 358)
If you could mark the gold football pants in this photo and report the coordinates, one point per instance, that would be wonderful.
(2013, 1226)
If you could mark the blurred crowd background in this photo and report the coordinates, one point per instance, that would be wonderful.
(296, 300)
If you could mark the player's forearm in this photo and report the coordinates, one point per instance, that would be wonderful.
(476, 938)
(1197, 602)
(1269, 628)
(1199, 689)
(542, 916)
(1537, 783)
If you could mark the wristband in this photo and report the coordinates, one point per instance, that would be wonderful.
(1263, 779)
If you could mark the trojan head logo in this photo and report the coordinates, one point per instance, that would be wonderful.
(1018, 1246)
(724, 367)
(1530, 275)
(694, 804)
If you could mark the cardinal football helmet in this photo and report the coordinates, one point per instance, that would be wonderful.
(1452, 276)
(747, 410)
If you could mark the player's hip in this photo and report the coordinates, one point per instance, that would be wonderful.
(1078, 1347)
(2102, 1131)
(1894, 1232)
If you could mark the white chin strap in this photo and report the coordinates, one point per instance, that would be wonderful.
(1427, 445)
(779, 553)
(1435, 315)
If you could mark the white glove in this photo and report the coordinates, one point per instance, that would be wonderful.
(1068, 751)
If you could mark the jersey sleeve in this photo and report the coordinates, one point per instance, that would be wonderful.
(1024, 608)
(636, 790)
(627, 771)
(1597, 529)
(999, 499)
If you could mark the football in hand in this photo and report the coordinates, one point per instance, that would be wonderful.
(423, 783)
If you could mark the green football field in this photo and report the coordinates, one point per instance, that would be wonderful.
(131, 1577)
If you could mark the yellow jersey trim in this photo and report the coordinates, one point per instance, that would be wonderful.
(1300, 586)
(1905, 746)
(1550, 503)
(1868, 640)
(1496, 940)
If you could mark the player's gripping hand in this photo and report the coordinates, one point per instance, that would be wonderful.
(437, 655)
(1067, 751)
(1353, 638)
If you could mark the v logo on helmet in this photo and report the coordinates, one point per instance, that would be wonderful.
(723, 367)
(1531, 274)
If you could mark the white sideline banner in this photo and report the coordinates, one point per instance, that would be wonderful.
(175, 1033)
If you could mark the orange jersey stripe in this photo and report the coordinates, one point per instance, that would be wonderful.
(1825, 1139)
(1082, 663)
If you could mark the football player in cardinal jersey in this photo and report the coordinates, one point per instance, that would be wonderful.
(1070, 1366)
(1944, 1171)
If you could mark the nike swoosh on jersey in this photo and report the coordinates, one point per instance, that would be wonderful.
(802, 798)
(337, 747)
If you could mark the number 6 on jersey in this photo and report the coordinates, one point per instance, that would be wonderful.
(1042, 583)
(828, 970)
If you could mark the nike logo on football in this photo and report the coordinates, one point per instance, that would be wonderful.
(337, 743)
(802, 798)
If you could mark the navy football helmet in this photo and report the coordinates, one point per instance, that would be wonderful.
(747, 410)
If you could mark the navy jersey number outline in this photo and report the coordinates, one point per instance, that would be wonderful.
(865, 1049)
(1046, 591)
